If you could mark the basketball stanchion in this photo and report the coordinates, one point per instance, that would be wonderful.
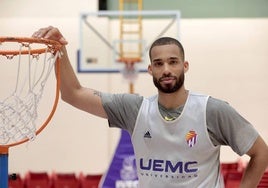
(33, 60)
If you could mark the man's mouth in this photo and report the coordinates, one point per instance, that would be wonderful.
(167, 80)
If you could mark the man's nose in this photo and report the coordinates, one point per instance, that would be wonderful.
(166, 69)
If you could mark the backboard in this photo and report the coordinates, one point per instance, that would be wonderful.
(110, 38)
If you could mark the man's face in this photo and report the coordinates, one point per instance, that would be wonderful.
(167, 68)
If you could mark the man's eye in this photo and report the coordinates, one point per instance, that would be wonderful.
(172, 62)
(157, 64)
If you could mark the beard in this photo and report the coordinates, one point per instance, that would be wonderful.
(169, 88)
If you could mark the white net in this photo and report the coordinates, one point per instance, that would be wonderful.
(23, 89)
(130, 72)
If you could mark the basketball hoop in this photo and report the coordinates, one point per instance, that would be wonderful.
(33, 60)
(130, 71)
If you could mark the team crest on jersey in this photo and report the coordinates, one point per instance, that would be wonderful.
(191, 138)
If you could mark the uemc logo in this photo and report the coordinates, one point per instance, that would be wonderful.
(169, 166)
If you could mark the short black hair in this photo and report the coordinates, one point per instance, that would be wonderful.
(164, 41)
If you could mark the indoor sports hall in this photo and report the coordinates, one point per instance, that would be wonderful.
(225, 43)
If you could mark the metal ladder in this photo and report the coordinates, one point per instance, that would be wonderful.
(130, 34)
(130, 29)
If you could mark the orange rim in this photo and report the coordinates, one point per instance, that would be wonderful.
(129, 60)
(55, 46)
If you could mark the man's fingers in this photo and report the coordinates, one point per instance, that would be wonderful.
(42, 32)
(51, 33)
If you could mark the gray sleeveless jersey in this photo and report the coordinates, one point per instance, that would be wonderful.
(176, 153)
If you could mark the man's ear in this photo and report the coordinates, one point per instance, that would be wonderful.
(149, 69)
(186, 66)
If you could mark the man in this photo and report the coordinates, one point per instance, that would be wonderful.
(177, 133)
